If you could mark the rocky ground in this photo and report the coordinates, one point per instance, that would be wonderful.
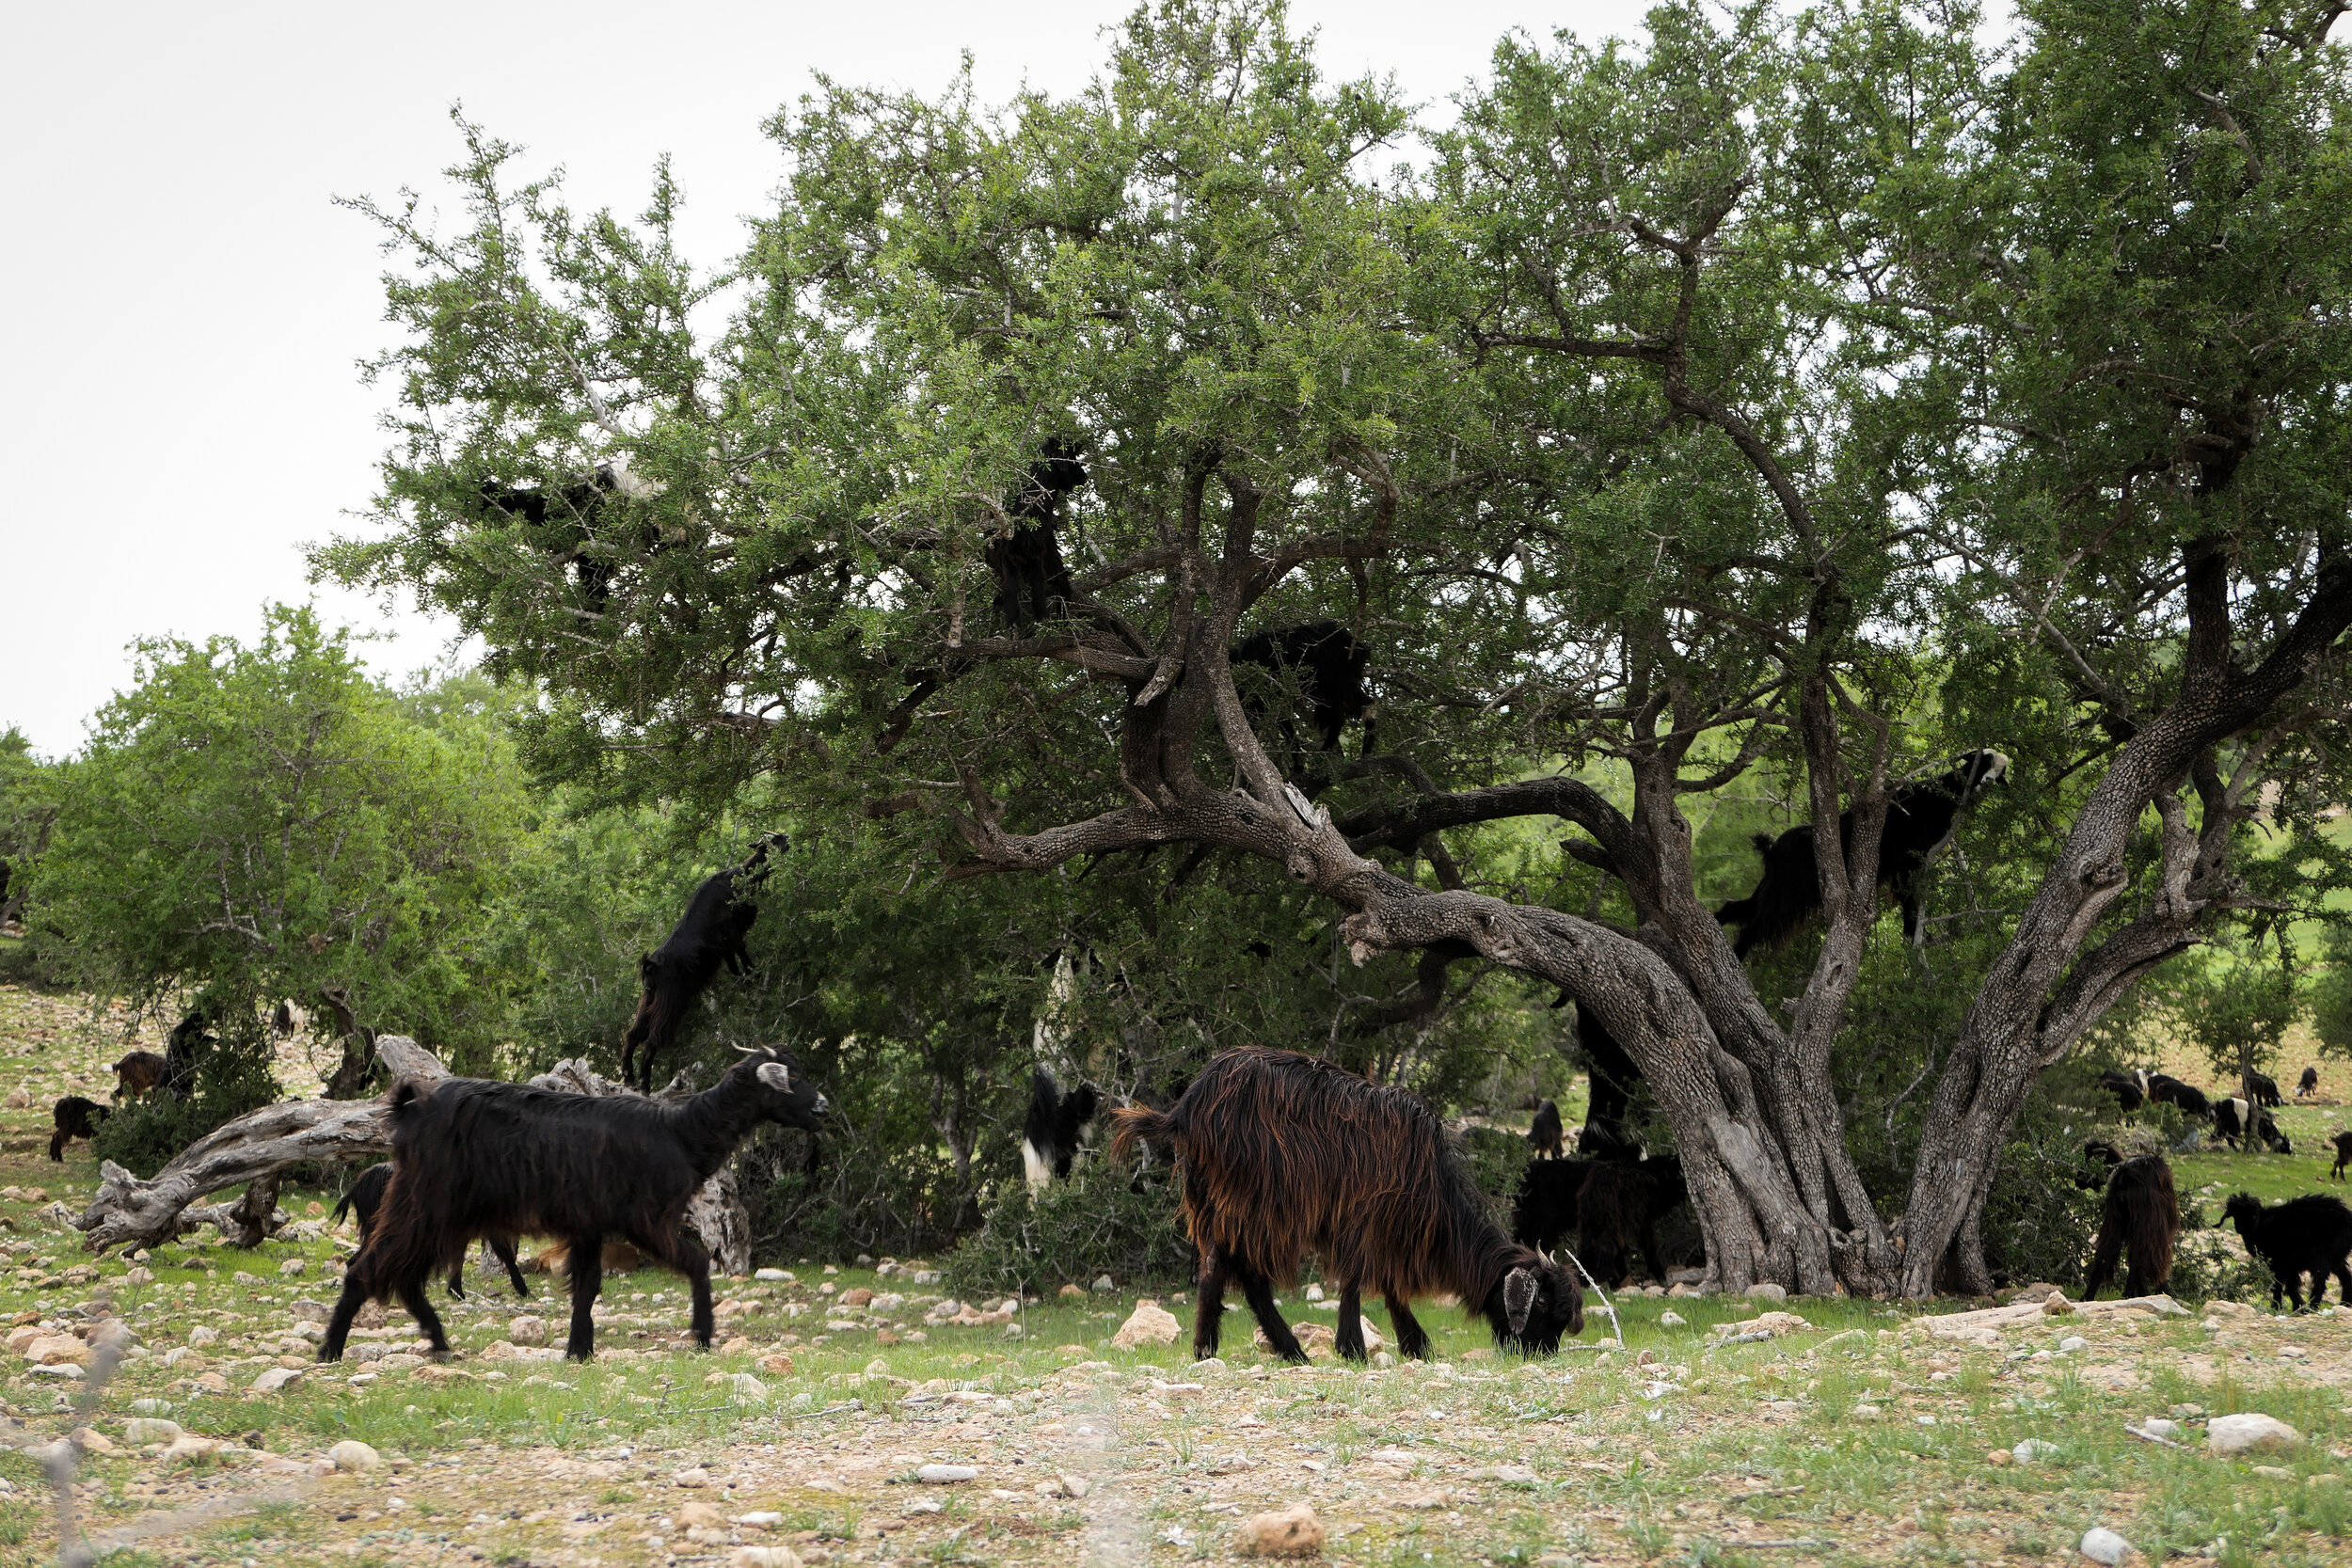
(853, 1414)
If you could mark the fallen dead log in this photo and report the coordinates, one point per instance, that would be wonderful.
(1985, 1324)
(253, 1148)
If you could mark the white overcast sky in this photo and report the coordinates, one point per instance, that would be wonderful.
(180, 412)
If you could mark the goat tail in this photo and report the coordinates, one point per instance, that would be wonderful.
(1139, 1122)
(341, 1209)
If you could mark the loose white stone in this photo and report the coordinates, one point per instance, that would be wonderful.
(946, 1475)
(2249, 1433)
(1765, 1291)
(1671, 1319)
(149, 1429)
(2102, 1545)
(2033, 1448)
(351, 1454)
(277, 1379)
(2074, 1344)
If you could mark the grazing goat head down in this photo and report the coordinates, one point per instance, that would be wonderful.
(1920, 817)
(2126, 1090)
(2263, 1090)
(710, 936)
(1051, 1131)
(2241, 1124)
(74, 1118)
(1282, 1154)
(138, 1073)
(2140, 1219)
(473, 1159)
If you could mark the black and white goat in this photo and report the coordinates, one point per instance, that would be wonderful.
(2307, 1235)
(709, 936)
(1050, 1133)
(473, 1159)
(2240, 1123)
(365, 1195)
(1920, 817)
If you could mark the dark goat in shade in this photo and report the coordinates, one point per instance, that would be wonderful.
(707, 937)
(1619, 1208)
(1545, 1133)
(474, 1160)
(1283, 1154)
(559, 520)
(2140, 1219)
(1544, 1209)
(138, 1073)
(2100, 1157)
(1611, 1075)
(2166, 1090)
(76, 1117)
(2307, 1085)
(2307, 1235)
(1032, 579)
(365, 1195)
(2263, 1090)
(2125, 1088)
(1920, 817)
(1050, 1133)
(2344, 1155)
(1332, 665)
(2240, 1123)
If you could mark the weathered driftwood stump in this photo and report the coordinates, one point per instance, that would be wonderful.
(128, 1211)
(716, 1214)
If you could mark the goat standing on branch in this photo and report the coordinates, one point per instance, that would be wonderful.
(1920, 818)
(711, 935)
(1050, 1133)
(473, 1160)
(1283, 1154)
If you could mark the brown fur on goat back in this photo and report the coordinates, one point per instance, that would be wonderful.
(1284, 1154)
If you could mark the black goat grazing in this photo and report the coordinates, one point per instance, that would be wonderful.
(2307, 1235)
(1544, 1211)
(2240, 1123)
(76, 1117)
(1611, 1075)
(1283, 1154)
(2139, 1220)
(2124, 1087)
(1920, 817)
(707, 937)
(1619, 1208)
(473, 1159)
(1032, 579)
(366, 1195)
(1546, 1132)
(2307, 1085)
(2166, 1090)
(2344, 1155)
(1050, 1133)
(1332, 664)
(2263, 1090)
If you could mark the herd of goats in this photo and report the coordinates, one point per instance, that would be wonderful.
(1278, 1156)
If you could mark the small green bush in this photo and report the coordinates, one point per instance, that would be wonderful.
(145, 1136)
(1106, 1219)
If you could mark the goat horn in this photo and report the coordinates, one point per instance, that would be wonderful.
(750, 1050)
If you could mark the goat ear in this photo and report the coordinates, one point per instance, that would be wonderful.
(1518, 1298)
(776, 1076)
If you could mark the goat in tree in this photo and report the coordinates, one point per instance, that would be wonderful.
(1331, 666)
(1283, 1154)
(1032, 579)
(2307, 1235)
(366, 1195)
(1050, 1133)
(2139, 1220)
(1920, 818)
(74, 1117)
(709, 936)
(473, 1159)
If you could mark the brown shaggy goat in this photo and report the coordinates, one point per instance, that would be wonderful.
(2141, 1217)
(1282, 1154)
(136, 1073)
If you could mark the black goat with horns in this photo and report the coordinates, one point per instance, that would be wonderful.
(1032, 579)
(475, 1160)
(1920, 817)
(709, 936)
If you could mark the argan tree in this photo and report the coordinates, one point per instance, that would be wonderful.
(1779, 401)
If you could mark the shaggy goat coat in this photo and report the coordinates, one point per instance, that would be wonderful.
(1283, 1154)
(2307, 1235)
(2140, 1219)
(365, 1195)
(74, 1118)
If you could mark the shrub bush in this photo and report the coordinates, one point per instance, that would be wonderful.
(1106, 1219)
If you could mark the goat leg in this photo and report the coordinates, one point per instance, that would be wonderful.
(419, 1307)
(1207, 1318)
(457, 1280)
(1411, 1338)
(1348, 1337)
(587, 1271)
(1260, 1290)
(503, 1251)
(347, 1306)
(689, 1258)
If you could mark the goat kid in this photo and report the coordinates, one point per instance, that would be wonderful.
(709, 937)
(1283, 1154)
(2140, 1219)
(1051, 1132)
(473, 1159)
(365, 1195)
